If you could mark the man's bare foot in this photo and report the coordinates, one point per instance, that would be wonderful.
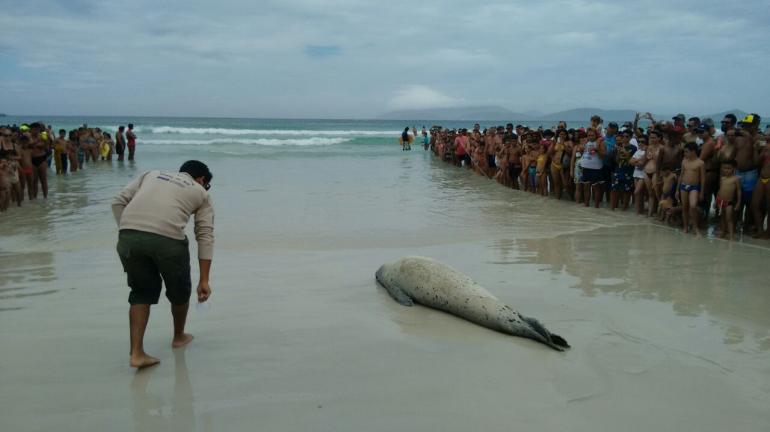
(180, 341)
(142, 361)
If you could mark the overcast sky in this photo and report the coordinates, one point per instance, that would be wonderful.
(358, 59)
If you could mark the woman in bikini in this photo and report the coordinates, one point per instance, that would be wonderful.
(566, 160)
(650, 172)
(40, 154)
(556, 154)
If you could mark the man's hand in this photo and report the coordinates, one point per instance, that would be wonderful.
(204, 291)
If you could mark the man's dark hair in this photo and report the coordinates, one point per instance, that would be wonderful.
(196, 169)
(62, 131)
(691, 146)
(130, 125)
(121, 128)
(694, 119)
(732, 117)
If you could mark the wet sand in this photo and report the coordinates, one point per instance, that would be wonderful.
(669, 331)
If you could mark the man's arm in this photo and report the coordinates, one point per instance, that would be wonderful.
(204, 235)
(702, 172)
(122, 199)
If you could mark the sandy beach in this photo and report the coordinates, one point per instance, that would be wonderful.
(669, 331)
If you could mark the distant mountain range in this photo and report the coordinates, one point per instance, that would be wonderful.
(499, 113)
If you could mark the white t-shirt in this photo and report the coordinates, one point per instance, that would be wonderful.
(638, 171)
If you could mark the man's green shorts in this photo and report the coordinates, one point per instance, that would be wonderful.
(148, 257)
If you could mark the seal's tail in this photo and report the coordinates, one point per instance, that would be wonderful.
(552, 340)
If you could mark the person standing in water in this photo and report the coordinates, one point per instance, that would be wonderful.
(120, 143)
(131, 138)
(152, 212)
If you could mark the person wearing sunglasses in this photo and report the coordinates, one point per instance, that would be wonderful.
(152, 212)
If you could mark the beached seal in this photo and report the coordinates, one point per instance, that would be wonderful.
(431, 283)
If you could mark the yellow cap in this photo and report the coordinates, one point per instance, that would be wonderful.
(749, 119)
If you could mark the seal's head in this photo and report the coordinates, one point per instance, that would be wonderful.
(381, 273)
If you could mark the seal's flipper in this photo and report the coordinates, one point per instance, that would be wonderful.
(559, 341)
(400, 296)
(552, 340)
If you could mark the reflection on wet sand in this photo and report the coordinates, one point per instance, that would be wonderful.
(695, 276)
(24, 275)
(154, 410)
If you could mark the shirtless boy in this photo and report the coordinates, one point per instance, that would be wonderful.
(691, 185)
(668, 195)
(728, 198)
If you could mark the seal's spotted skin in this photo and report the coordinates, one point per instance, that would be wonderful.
(431, 283)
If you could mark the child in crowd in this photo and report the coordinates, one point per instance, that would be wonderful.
(667, 200)
(728, 198)
(691, 186)
(16, 193)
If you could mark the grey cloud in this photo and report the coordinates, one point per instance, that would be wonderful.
(241, 58)
(322, 51)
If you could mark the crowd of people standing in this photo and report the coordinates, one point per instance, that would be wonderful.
(683, 169)
(29, 151)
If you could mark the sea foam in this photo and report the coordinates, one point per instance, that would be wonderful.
(162, 130)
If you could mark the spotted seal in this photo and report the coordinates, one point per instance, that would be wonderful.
(431, 283)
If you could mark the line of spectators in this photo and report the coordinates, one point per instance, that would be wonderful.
(678, 169)
(29, 151)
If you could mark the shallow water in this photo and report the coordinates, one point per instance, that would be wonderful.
(669, 331)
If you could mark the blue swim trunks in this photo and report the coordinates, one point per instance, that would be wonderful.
(688, 187)
(748, 179)
(622, 179)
